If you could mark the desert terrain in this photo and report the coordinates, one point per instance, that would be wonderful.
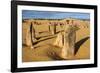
(40, 47)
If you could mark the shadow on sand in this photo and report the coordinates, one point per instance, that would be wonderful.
(79, 43)
(53, 53)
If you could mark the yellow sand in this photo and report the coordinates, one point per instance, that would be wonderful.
(46, 51)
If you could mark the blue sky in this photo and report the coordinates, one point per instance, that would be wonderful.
(31, 14)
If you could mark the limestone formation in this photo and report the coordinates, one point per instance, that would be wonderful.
(66, 40)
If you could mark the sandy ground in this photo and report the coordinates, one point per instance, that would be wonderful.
(46, 51)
